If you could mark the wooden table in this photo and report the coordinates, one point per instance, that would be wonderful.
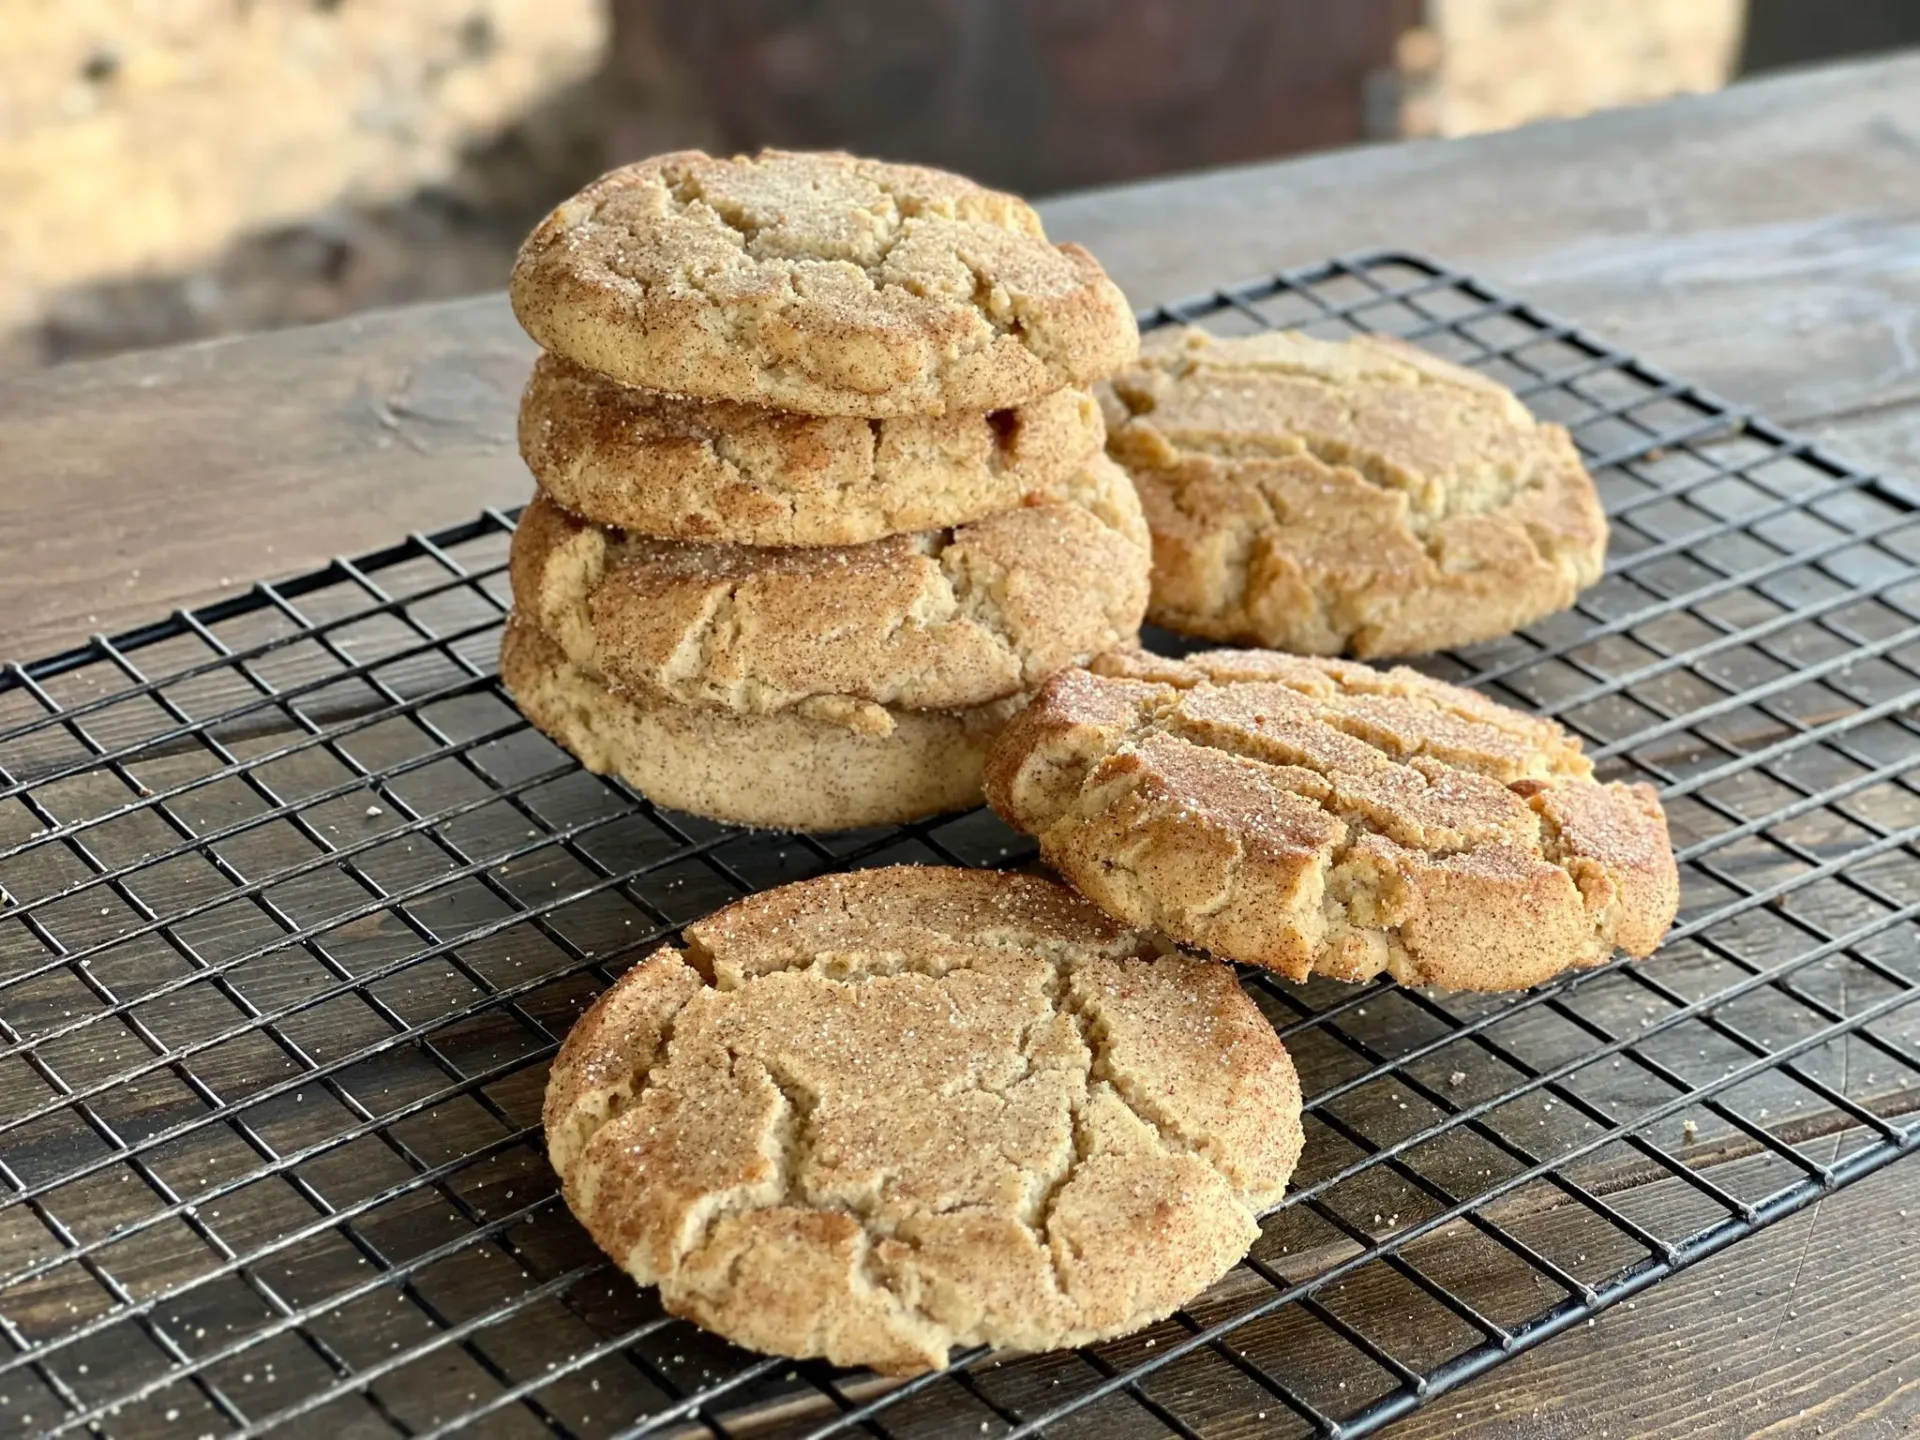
(1764, 242)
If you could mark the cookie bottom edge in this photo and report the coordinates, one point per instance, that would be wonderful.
(779, 772)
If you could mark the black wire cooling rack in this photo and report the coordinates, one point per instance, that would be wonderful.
(294, 909)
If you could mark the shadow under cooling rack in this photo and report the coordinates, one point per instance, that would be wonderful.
(294, 910)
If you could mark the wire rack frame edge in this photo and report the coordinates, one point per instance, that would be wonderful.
(1754, 651)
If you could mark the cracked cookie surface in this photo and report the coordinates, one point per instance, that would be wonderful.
(874, 1116)
(819, 283)
(1321, 816)
(850, 634)
(1359, 496)
(745, 475)
(783, 772)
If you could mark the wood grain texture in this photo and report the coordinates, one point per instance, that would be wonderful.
(152, 480)
(1768, 1338)
(1758, 241)
(365, 936)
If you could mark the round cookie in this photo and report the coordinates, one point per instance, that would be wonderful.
(783, 772)
(1358, 496)
(874, 1116)
(716, 470)
(1320, 816)
(935, 620)
(820, 283)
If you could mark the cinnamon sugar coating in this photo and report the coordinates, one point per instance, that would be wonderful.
(1321, 816)
(875, 1116)
(936, 620)
(1359, 496)
(745, 475)
(820, 283)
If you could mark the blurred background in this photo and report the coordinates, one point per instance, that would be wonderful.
(175, 169)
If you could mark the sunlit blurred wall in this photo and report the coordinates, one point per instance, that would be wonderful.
(179, 168)
(1489, 64)
(146, 134)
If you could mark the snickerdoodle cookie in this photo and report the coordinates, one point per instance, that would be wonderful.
(1322, 816)
(821, 283)
(1357, 496)
(718, 470)
(874, 1116)
(934, 620)
(782, 771)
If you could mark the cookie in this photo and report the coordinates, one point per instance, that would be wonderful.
(935, 620)
(783, 772)
(1358, 496)
(820, 283)
(874, 1116)
(745, 475)
(1320, 816)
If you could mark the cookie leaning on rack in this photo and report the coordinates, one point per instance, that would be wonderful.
(1323, 817)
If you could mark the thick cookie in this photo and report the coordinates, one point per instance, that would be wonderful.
(874, 1116)
(1322, 816)
(745, 475)
(1360, 496)
(819, 283)
(784, 772)
(936, 620)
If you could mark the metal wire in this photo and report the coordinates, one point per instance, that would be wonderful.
(294, 909)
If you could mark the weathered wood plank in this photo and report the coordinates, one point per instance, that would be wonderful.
(1787, 205)
(1774, 1337)
(1882, 438)
(140, 483)
(1758, 242)
(186, 466)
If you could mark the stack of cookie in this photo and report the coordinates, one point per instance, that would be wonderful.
(823, 497)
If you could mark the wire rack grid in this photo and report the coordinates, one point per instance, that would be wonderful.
(294, 910)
